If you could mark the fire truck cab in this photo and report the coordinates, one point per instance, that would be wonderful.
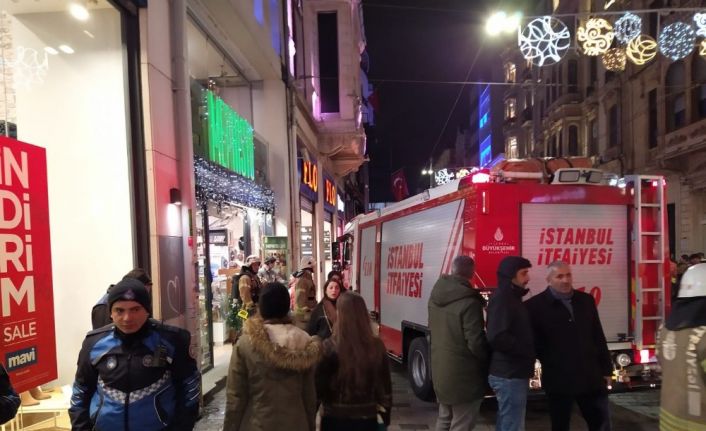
(613, 233)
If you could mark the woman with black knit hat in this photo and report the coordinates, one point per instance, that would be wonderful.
(271, 374)
(324, 315)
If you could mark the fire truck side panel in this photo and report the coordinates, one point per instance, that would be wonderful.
(415, 250)
(368, 266)
(594, 240)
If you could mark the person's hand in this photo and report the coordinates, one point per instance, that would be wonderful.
(608, 382)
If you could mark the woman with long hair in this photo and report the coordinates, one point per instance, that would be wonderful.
(353, 379)
(325, 315)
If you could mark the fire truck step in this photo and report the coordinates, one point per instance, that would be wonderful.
(656, 289)
(652, 318)
(650, 261)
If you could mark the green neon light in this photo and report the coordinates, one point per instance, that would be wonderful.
(230, 137)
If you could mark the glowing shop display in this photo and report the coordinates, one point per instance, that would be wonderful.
(595, 36)
(230, 137)
(677, 40)
(615, 59)
(641, 50)
(544, 41)
(628, 27)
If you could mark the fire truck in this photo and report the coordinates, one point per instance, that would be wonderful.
(612, 231)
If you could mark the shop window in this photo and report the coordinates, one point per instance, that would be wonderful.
(510, 72)
(261, 163)
(573, 140)
(613, 126)
(511, 150)
(652, 118)
(510, 108)
(328, 62)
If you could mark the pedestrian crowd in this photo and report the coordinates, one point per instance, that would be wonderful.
(295, 357)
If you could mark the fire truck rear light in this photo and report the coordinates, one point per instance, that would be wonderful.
(644, 356)
(655, 183)
(480, 177)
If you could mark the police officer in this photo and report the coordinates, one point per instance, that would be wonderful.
(9, 401)
(682, 354)
(137, 373)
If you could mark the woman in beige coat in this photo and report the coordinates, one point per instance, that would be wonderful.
(271, 375)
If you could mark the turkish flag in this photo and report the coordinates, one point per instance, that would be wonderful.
(399, 185)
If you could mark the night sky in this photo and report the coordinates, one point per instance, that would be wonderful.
(420, 40)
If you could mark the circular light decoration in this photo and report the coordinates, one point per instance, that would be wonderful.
(614, 59)
(596, 36)
(544, 40)
(641, 50)
(443, 176)
(677, 40)
(700, 20)
(628, 27)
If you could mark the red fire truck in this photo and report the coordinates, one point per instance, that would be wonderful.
(614, 237)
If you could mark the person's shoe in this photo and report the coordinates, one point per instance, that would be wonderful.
(37, 394)
(27, 399)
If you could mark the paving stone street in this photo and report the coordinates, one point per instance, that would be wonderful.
(636, 411)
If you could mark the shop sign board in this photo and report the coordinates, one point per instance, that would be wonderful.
(330, 194)
(309, 179)
(28, 348)
(271, 243)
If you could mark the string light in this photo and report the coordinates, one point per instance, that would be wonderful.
(641, 50)
(628, 27)
(597, 36)
(700, 20)
(220, 185)
(544, 40)
(677, 40)
(614, 60)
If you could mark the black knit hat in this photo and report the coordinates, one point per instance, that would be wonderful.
(274, 301)
(510, 265)
(130, 289)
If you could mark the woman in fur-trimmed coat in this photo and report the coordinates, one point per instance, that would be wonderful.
(271, 375)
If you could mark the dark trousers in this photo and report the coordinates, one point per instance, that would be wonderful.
(594, 409)
(329, 423)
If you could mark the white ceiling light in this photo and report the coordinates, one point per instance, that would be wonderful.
(79, 11)
(66, 49)
(51, 50)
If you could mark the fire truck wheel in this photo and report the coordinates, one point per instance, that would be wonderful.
(419, 369)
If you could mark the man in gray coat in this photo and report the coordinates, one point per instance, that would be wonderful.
(459, 350)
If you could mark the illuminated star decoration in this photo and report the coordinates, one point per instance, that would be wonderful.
(628, 27)
(544, 40)
(677, 40)
(614, 60)
(700, 20)
(596, 36)
(443, 176)
(641, 50)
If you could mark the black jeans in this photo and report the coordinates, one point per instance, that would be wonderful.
(594, 409)
(329, 423)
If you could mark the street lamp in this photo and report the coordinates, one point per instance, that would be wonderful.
(502, 22)
(429, 172)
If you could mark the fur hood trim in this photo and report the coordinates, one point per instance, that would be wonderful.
(283, 345)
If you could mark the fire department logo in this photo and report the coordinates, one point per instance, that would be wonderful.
(112, 363)
(498, 245)
(498, 235)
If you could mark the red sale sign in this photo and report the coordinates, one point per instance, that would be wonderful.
(28, 348)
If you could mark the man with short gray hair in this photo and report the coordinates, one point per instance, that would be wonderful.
(570, 344)
(459, 351)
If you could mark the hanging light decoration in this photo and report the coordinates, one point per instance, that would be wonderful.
(628, 27)
(641, 50)
(443, 176)
(677, 40)
(700, 20)
(702, 48)
(596, 36)
(544, 41)
(614, 60)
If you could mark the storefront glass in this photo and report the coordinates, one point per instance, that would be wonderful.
(63, 87)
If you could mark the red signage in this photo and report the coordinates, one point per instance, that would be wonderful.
(330, 192)
(28, 348)
(310, 175)
(405, 270)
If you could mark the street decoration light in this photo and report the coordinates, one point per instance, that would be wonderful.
(677, 40)
(443, 176)
(628, 27)
(700, 20)
(502, 22)
(614, 60)
(702, 48)
(544, 41)
(641, 50)
(596, 36)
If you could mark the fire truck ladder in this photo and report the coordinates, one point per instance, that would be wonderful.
(648, 242)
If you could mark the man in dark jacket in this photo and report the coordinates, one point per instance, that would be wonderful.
(510, 337)
(459, 351)
(100, 314)
(9, 401)
(576, 364)
(135, 374)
